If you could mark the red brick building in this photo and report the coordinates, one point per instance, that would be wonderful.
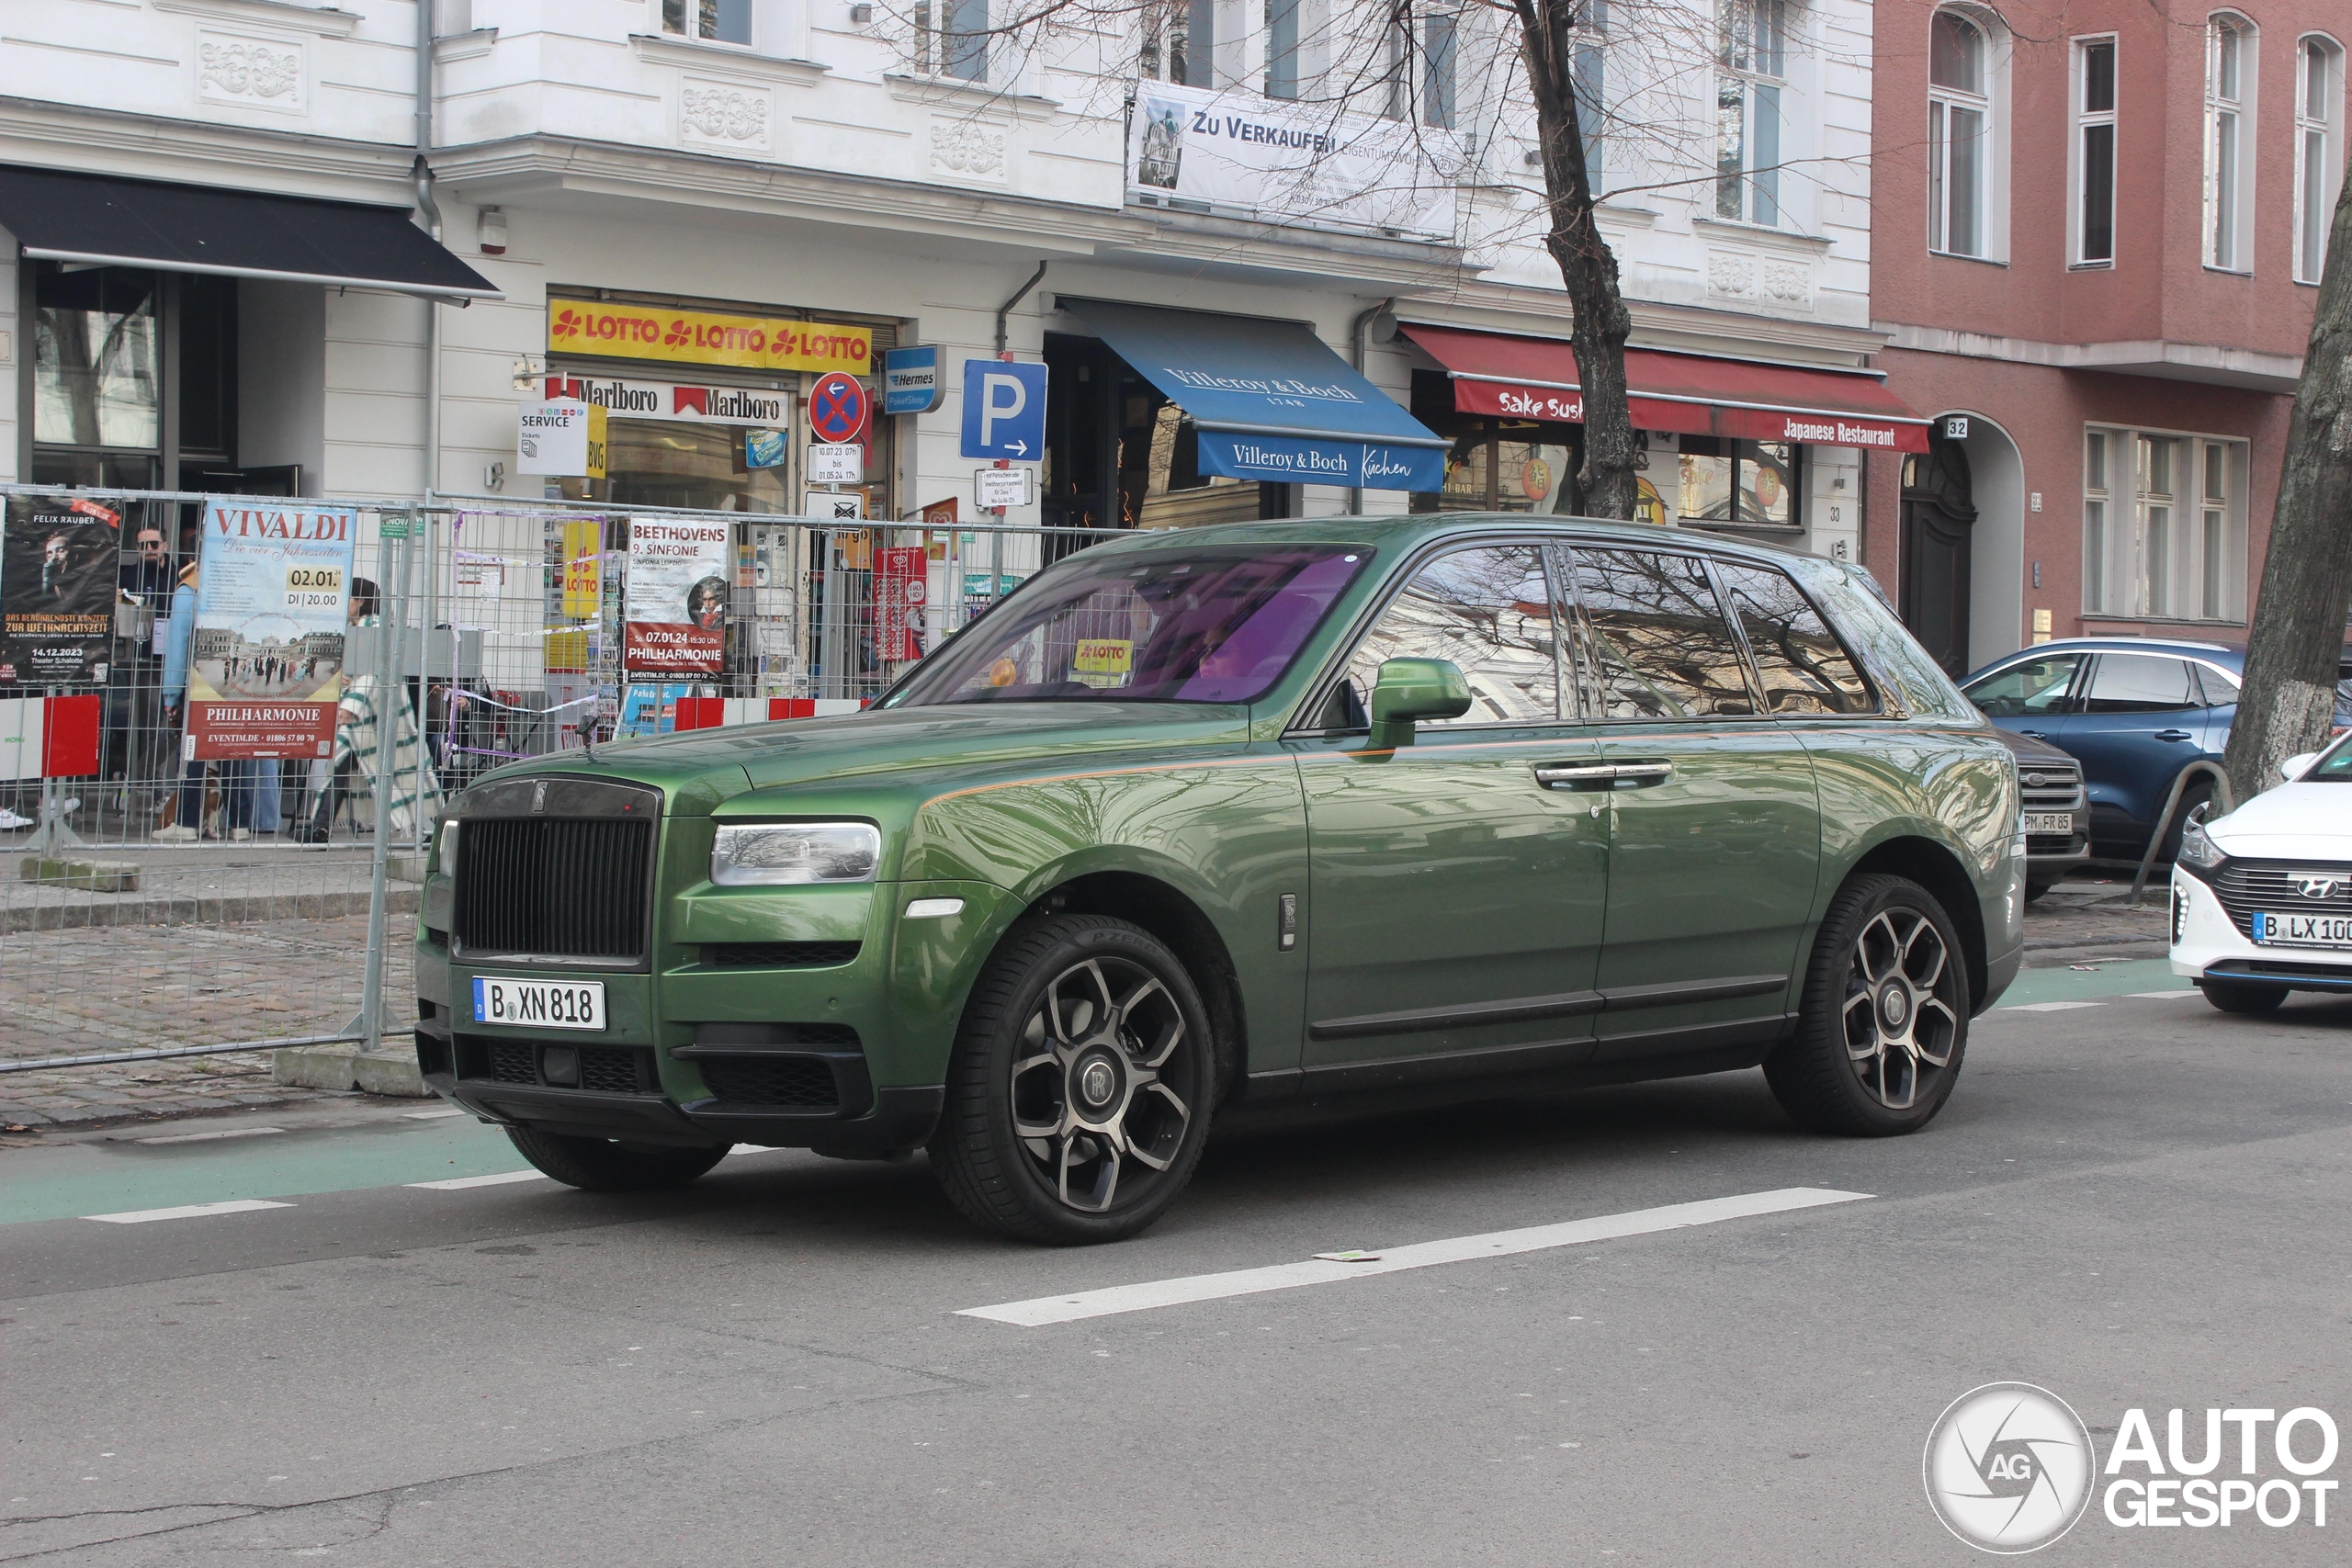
(2097, 234)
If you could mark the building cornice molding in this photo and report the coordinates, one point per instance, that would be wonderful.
(977, 98)
(452, 47)
(722, 60)
(2162, 359)
(325, 21)
(193, 152)
(1761, 237)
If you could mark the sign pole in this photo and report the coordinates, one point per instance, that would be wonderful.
(425, 678)
(371, 998)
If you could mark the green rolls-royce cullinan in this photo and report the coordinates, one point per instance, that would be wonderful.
(1204, 824)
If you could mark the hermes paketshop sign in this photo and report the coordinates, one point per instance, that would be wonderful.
(704, 337)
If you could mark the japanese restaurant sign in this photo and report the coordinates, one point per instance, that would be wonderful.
(675, 621)
(266, 660)
(705, 337)
(59, 561)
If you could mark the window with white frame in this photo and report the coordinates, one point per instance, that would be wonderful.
(952, 39)
(1179, 42)
(2091, 163)
(2319, 150)
(1960, 122)
(1424, 56)
(1283, 40)
(2163, 526)
(1751, 68)
(1588, 72)
(709, 21)
(2229, 114)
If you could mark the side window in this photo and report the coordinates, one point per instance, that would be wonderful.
(2139, 682)
(1488, 610)
(2034, 687)
(2220, 690)
(1655, 642)
(1803, 667)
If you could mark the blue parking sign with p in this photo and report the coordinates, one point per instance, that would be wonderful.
(1005, 410)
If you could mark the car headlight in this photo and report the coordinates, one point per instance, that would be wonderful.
(794, 854)
(2198, 850)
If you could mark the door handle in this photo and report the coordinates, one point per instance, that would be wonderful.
(2035, 733)
(2172, 735)
(1639, 774)
(1596, 775)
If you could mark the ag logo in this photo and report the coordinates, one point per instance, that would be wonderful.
(2008, 1467)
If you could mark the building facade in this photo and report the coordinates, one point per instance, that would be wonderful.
(2099, 233)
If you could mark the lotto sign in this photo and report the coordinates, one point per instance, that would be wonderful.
(837, 409)
(705, 337)
(583, 568)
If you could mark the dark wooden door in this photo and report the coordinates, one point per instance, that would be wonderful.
(1939, 523)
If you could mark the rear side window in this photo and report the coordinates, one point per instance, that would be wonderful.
(1655, 643)
(2140, 683)
(2029, 687)
(1803, 667)
(1489, 612)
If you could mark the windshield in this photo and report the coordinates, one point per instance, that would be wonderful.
(2334, 765)
(1199, 626)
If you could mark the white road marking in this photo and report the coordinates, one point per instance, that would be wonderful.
(434, 1115)
(186, 1211)
(209, 1137)
(1046, 1310)
(2165, 996)
(459, 1183)
(2048, 1006)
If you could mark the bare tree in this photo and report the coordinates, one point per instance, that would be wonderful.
(2297, 637)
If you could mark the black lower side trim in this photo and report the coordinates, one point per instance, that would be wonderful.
(1765, 1031)
(1621, 1058)
(1271, 1104)
(901, 1120)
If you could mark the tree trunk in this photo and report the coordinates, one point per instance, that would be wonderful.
(1600, 324)
(2288, 701)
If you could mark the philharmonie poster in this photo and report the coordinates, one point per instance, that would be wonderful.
(266, 660)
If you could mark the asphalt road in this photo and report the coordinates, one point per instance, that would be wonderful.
(2137, 1203)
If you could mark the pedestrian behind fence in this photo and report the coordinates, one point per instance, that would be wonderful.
(360, 724)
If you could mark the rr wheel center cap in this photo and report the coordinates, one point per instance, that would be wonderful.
(1096, 1083)
(1894, 1005)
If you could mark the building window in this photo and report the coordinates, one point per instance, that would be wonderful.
(1441, 40)
(1588, 70)
(1281, 48)
(1959, 115)
(711, 21)
(2319, 150)
(1179, 42)
(2229, 104)
(952, 39)
(2163, 526)
(1752, 60)
(2093, 153)
(1424, 51)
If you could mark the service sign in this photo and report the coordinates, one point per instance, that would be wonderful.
(266, 658)
(59, 561)
(563, 439)
(1280, 158)
(675, 620)
(706, 337)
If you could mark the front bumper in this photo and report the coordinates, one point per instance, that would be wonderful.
(2206, 945)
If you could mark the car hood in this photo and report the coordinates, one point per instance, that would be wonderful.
(704, 766)
(2293, 822)
(2031, 748)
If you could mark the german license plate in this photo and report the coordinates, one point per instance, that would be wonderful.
(540, 1004)
(2303, 930)
(2050, 822)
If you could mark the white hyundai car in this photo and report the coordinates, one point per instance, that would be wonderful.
(2262, 897)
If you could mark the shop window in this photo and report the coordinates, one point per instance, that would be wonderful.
(98, 342)
(2163, 526)
(1748, 484)
(2319, 150)
(2229, 114)
(1496, 465)
(208, 369)
(1752, 60)
(711, 21)
(1119, 455)
(2092, 156)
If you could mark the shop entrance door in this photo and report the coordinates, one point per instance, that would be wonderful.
(1938, 525)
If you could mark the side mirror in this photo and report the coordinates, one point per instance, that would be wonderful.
(2297, 765)
(1412, 689)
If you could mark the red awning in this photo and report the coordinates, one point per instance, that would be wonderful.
(1695, 394)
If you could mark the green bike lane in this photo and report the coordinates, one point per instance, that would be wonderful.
(119, 1173)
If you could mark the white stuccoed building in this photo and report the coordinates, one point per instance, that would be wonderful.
(692, 210)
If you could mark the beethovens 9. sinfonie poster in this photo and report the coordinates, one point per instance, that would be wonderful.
(265, 665)
(676, 619)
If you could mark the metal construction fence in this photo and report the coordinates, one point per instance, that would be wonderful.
(161, 903)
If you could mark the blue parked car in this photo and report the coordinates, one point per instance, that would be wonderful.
(2134, 711)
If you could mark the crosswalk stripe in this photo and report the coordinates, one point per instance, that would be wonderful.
(459, 1183)
(186, 1211)
(2048, 1006)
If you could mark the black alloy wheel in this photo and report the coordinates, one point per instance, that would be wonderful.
(1079, 1097)
(1884, 1021)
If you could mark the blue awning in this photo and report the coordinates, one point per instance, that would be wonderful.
(1270, 400)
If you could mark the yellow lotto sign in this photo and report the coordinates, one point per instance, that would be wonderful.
(705, 337)
(1103, 656)
(583, 568)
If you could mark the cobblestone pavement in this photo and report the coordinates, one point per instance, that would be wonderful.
(104, 988)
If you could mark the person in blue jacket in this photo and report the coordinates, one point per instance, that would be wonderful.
(249, 790)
